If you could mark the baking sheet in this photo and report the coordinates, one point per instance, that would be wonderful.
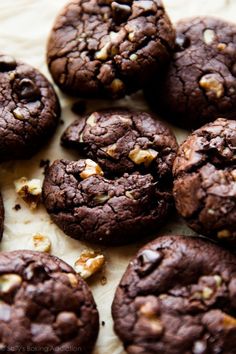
(24, 28)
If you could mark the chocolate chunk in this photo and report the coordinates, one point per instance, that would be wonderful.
(7, 63)
(27, 89)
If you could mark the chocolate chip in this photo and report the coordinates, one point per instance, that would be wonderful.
(182, 42)
(27, 89)
(7, 63)
(120, 12)
(148, 260)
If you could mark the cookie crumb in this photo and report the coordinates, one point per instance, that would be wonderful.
(103, 281)
(17, 207)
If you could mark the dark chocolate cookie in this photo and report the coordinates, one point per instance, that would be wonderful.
(122, 140)
(29, 109)
(200, 85)
(45, 306)
(1, 216)
(109, 48)
(131, 197)
(178, 297)
(205, 180)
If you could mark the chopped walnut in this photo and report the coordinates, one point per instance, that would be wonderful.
(110, 150)
(89, 263)
(41, 243)
(18, 114)
(212, 85)
(117, 85)
(72, 279)
(139, 156)
(209, 36)
(207, 293)
(229, 321)
(224, 234)
(29, 190)
(91, 120)
(9, 282)
(91, 168)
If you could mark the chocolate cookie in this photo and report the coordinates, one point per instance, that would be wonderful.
(122, 140)
(1, 216)
(109, 48)
(178, 296)
(112, 207)
(205, 180)
(200, 85)
(45, 306)
(29, 109)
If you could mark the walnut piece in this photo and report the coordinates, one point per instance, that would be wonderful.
(117, 85)
(224, 234)
(91, 120)
(29, 190)
(9, 282)
(229, 321)
(91, 168)
(211, 85)
(18, 114)
(72, 279)
(110, 150)
(209, 36)
(89, 263)
(139, 156)
(41, 243)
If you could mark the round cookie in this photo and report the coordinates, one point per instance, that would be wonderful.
(205, 180)
(45, 306)
(29, 109)
(122, 197)
(109, 48)
(178, 296)
(122, 140)
(1, 216)
(200, 84)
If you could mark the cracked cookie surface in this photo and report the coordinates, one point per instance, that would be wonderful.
(120, 198)
(200, 84)
(205, 180)
(1, 216)
(45, 306)
(29, 109)
(109, 48)
(122, 140)
(177, 296)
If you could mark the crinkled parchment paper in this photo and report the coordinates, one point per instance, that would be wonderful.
(24, 28)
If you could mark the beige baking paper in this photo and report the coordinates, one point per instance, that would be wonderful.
(24, 27)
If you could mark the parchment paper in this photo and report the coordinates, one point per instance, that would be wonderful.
(24, 28)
